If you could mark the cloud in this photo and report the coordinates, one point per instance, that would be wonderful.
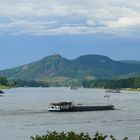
(53, 17)
(124, 22)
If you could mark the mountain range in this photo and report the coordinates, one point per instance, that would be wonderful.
(56, 69)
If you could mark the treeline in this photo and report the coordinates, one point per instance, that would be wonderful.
(5, 82)
(113, 84)
(25, 83)
(22, 83)
(74, 136)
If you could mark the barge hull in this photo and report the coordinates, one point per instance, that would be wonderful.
(85, 108)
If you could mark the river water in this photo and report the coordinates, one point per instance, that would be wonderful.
(23, 113)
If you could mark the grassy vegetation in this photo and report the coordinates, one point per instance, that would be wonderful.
(133, 89)
(90, 77)
(74, 136)
(56, 79)
(4, 87)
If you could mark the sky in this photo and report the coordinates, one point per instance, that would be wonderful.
(32, 29)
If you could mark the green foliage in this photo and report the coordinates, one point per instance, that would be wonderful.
(74, 136)
(113, 84)
(5, 83)
(23, 83)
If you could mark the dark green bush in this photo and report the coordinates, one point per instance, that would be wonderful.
(73, 136)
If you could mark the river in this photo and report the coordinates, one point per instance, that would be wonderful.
(23, 113)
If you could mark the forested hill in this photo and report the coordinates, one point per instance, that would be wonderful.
(55, 68)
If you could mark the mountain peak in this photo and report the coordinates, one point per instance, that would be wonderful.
(95, 56)
(92, 59)
(56, 55)
(53, 57)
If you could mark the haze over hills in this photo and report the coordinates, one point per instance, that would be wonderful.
(55, 68)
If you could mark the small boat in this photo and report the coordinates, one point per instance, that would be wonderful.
(113, 90)
(1, 92)
(74, 87)
(69, 107)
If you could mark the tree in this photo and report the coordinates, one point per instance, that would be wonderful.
(74, 136)
(3, 81)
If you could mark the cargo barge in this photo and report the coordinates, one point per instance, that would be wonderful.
(69, 107)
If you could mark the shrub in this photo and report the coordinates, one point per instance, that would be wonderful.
(73, 136)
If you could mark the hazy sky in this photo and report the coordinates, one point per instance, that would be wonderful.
(32, 29)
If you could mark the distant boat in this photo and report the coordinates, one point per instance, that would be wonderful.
(69, 107)
(74, 87)
(113, 90)
(1, 92)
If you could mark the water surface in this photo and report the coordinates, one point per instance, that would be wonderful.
(23, 113)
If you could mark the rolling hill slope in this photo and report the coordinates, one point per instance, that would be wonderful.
(55, 68)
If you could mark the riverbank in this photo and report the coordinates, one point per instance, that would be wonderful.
(132, 89)
(4, 87)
